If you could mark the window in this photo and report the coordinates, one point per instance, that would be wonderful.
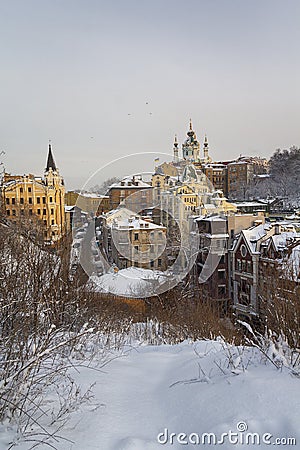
(29, 189)
(13, 201)
(243, 250)
(38, 199)
(30, 212)
(52, 221)
(221, 274)
(50, 199)
(151, 263)
(21, 190)
(39, 211)
(221, 291)
(45, 222)
(22, 201)
(8, 212)
(13, 212)
(136, 236)
(30, 200)
(44, 212)
(22, 212)
(244, 293)
(44, 200)
(249, 267)
(136, 248)
(52, 211)
(159, 262)
(7, 201)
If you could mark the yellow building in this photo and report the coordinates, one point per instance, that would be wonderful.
(88, 201)
(43, 197)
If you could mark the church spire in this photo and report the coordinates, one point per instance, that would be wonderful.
(205, 150)
(191, 126)
(50, 160)
(175, 150)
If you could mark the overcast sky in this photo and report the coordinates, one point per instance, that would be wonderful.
(81, 73)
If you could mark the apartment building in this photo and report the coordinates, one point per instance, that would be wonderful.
(43, 198)
(129, 240)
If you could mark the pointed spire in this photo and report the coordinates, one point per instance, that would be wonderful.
(191, 126)
(205, 150)
(175, 149)
(50, 159)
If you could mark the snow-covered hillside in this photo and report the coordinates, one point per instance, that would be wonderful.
(148, 392)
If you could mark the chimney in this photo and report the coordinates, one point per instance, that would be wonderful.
(277, 228)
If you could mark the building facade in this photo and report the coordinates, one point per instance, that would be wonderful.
(125, 188)
(256, 249)
(43, 198)
(129, 240)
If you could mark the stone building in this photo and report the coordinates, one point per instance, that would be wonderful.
(89, 202)
(42, 197)
(120, 191)
(258, 247)
(129, 240)
(212, 260)
(213, 266)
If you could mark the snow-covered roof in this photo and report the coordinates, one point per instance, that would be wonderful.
(130, 282)
(118, 214)
(130, 183)
(248, 204)
(22, 180)
(69, 208)
(283, 239)
(254, 234)
(92, 195)
(214, 165)
(211, 219)
(136, 223)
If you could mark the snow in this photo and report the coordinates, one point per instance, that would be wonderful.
(281, 240)
(92, 195)
(121, 213)
(202, 387)
(254, 234)
(130, 282)
(136, 223)
(129, 183)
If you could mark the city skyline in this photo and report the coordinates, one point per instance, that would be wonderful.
(106, 80)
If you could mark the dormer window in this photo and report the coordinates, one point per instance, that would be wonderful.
(243, 250)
